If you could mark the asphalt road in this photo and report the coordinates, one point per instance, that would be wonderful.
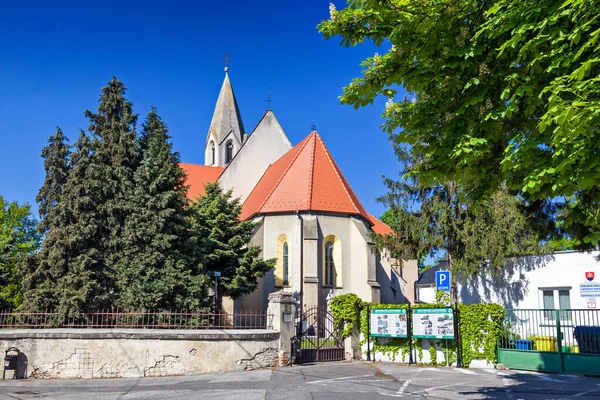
(331, 381)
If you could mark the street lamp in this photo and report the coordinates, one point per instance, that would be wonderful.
(216, 274)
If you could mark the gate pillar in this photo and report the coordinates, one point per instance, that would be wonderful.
(282, 310)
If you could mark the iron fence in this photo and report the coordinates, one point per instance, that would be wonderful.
(136, 320)
(566, 331)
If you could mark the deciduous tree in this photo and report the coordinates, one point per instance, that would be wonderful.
(501, 92)
(18, 239)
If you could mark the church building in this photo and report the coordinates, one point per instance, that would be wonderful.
(309, 217)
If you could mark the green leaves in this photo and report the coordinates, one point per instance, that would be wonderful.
(495, 71)
(18, 239)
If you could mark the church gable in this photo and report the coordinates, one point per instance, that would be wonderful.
(267, 143)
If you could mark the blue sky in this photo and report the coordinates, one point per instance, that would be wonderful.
(56, 56)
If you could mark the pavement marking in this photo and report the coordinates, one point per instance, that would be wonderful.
(467, 371)
(442, 387)
(338, 379)
(435, 370)
(400, 391)
(587, 392)
(548, 379)
(403, 387)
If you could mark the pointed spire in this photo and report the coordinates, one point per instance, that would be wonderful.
(226, 117)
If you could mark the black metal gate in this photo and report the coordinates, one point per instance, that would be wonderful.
(316, 338)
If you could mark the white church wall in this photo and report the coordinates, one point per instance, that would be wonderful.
(275, 225)
(359, 268)
(257, 299)
(265, 145)
(340, 227)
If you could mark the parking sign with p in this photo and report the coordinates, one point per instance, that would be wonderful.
(442, 280)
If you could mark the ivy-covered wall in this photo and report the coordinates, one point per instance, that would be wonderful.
(479, 329)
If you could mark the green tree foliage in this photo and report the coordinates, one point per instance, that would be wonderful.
(56, 165)
(158, 250)
(115, 157)
(18, 239)
(438, 219)
(505, 93)
(66, 273)
(222, 242)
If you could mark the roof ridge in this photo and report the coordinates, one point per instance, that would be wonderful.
(312, 175)
(306, 140)
(339, 175)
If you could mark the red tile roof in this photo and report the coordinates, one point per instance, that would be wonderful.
(306, 179)
(380, 227)
(198, 176)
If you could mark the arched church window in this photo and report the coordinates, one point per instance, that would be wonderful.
(212, 153)
(282, 266)
(286, 270)
(228, 152)
(332, 261)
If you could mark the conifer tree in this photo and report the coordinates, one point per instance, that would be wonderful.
(38, 284)
(56, 165)
(115, 157)
(66, 272)
(222, 243)
(158, 229)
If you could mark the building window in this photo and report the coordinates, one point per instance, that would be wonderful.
(556, 298)
(212, 153)
(282, 266)
(228, 152)
(286, 270)
(332, 261)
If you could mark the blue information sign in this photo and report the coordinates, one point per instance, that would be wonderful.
(442, 280)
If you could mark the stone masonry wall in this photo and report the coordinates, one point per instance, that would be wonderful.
(115, 353)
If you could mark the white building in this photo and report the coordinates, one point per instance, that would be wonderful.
(529, 282)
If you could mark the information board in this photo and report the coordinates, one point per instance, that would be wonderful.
(589, 289)
(389, 322)
(433, 323)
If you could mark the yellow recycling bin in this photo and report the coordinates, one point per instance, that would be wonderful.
(546, 343)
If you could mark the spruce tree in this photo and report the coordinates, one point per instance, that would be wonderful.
(38, 285)
(157, 229)
(56, 165)
(222, 243)
(115, 157)
(64, 275)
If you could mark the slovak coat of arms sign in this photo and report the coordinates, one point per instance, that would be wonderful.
(589, 276)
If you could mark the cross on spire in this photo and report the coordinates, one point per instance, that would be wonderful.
(313, 126)
(226, 60)
(268, 100)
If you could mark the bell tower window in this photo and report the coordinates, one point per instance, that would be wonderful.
(212, 153)
(228, 152)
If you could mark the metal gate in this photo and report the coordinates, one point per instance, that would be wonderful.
(563, 341)
(316, 338)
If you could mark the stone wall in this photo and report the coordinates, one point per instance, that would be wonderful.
(114, 353)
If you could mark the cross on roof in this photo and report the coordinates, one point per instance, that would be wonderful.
(268, 100)
(313, 126)
(226, 60)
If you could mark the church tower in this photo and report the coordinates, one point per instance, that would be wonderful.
(226, 132)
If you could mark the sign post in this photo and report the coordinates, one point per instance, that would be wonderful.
(442, 281)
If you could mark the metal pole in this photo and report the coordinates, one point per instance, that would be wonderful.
(457, 337)
(368, 333)
(447, 359)
(409, 334)
(216, 294)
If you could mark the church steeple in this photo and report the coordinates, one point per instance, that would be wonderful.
(226, 132)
